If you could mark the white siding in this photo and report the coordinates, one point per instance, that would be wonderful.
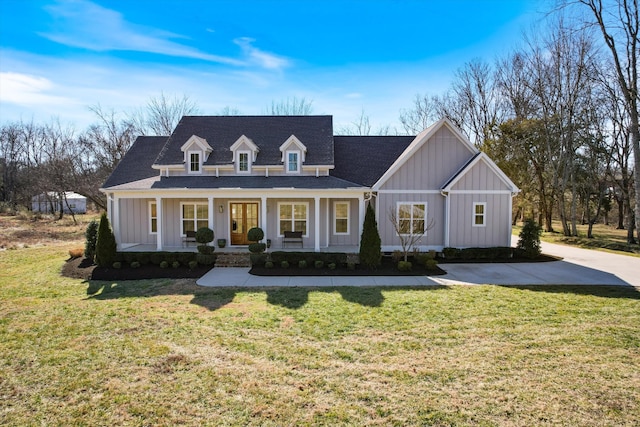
(480, 177)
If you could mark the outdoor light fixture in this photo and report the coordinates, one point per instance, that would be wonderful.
(220, 208)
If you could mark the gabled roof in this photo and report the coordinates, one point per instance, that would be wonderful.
(418, 142)
(267, 133)
(480, 157)
(364, 159)
(136, 164)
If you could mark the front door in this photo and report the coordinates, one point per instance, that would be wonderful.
(244, 216)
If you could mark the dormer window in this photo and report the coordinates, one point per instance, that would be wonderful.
(196, 151)
(244, 164)
(195, 162)
(293, 161)
(293, 153)
(244, 154)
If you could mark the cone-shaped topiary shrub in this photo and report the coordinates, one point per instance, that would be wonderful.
(370, 250)
(105, 244)
(91, 235)
(529, 241)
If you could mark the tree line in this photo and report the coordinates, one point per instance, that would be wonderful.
(558, 114)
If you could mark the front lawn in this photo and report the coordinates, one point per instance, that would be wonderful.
(167, 352)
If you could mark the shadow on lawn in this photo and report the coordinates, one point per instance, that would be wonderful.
(215, 298)
(604, 291)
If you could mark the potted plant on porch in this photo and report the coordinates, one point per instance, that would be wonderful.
(222, 243)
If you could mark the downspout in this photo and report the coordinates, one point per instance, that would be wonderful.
(447, 210)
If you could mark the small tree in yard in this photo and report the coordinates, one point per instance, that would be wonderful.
(529, 241)
(409, 231)
(91, 234)
(106, 243)
(370, 250)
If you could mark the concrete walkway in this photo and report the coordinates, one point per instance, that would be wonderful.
(578, 267)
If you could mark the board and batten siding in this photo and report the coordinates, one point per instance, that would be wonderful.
(480, 178)
(134, 222)
(432, 164)
(495, 232)
(435, 214)
(351, 239)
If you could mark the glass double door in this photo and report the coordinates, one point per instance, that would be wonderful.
(244, 216)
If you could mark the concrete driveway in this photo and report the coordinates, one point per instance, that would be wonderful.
(578, 267)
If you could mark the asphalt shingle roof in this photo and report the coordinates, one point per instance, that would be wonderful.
(267, 132)
(137, 162)
(364, 159)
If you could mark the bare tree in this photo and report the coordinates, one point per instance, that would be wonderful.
(162, 114)
(290, 107)
(619, 24)
(410, 232)
(422, 115)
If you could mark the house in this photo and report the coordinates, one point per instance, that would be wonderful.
(290, 173)
(52, 202)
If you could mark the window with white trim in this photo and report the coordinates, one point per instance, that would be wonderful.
(293, 161)
(244, 164)
(193, 216)
(293, 217)
(479, 214)
(195, 162)
(341, 212)
(411, 217)
(153, 218)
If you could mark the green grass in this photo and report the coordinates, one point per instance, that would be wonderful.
(166, 352)
(605, 238)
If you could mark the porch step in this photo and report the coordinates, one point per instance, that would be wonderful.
(233, 259)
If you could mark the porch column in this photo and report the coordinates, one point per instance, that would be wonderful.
(316, 205)
(447, 211)
(210, 210)
(115, 224)
(263, 217)
(360, 215)
(159, 226)
(327, 224)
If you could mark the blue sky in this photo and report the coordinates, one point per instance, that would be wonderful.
(58, 57)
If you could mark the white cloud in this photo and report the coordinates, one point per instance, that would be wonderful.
(27, 90)
(87, 25)
(266, 60)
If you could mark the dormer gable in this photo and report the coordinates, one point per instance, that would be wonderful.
(195, 143)
(293, 154)
(245, 152)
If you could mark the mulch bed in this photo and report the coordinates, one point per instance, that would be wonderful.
(81, 268)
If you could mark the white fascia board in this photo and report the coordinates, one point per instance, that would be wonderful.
(234, 193)
(418, 142)
(170, 167)
(295, 141)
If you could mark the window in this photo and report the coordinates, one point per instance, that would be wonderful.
(292, 217)
(341, 218)
(411, 218)
(293, 163)
(243, 161)
(194, 162)
(153, 218)
(193, 216)
(479, 210)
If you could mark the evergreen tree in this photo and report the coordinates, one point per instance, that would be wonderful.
(529, 241)
(370, 250)
(106, 244)
(91, 235)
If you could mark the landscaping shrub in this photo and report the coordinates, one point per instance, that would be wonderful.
(91, 236)
(370, 249)
(105, 243)
(529, 241)
(268, 264)
(284, 264)
(135, 264)
(206, 249)
(319, 264)
(204, 235)
(397, 256)
(193, 264)
(431, 264)
(175, 264)
(451, 253)
(185, 258)
(404, 265)
(302, 264)
(156, 258)
(255, 234)
(164, 264)
(258, 258)
(144, 258)
(117, 265)
(257, 248)
(351, 265)
(421, 258)
(205, 259)
(128, 257)
(332, 266)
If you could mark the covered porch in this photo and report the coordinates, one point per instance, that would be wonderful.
(233, 249)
